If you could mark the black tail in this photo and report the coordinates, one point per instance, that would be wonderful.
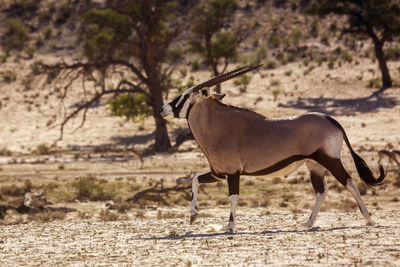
(362, 167)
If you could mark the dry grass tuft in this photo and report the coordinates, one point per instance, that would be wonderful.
(48, 216)
(168, 215)
(85, 215)
(108, 216)
(12, 190)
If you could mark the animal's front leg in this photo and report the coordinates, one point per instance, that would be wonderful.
(204, 178)
(233, 183)
(193, 205)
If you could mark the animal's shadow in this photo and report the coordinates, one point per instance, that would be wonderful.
(266, 232)
(334, 106)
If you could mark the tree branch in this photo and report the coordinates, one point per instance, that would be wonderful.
(87, 104)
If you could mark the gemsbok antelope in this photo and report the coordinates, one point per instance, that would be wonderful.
(238, 142)
(391, 155)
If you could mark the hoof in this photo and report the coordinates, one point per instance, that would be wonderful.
(306, 225)
(229, 228)
(193, 218)
(371, 222)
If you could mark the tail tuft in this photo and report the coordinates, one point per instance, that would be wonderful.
(365, 172)
(362, 167)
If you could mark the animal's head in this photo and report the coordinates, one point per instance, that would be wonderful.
(180, 106)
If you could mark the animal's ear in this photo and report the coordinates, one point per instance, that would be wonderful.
(205, 92)
(219, 96)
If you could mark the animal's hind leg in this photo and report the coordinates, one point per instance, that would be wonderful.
(204, 178)
(335, 166)
(352, 187)
(317, 173)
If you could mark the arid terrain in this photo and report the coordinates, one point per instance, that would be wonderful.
(88, 208)
(270, 211)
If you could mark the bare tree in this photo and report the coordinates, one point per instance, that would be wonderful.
(129, 42)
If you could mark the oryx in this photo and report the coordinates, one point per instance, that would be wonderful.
(238, 142)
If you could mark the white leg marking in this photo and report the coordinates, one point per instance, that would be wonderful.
(356, 194)
(319, 170)
(233, 200)
(317, 206)
(193, 205)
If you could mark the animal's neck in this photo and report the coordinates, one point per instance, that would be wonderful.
(200, 121)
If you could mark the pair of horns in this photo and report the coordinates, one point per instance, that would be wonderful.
(217, 80)
(224, 77)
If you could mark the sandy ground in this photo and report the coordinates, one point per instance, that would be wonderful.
(339, 239)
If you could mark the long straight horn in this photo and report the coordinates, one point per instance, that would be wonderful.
(225, 76)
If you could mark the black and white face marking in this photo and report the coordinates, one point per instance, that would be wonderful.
(179, 107)
(176, 107)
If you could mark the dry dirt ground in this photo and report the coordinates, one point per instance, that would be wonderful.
(340, 239)
(265, 234)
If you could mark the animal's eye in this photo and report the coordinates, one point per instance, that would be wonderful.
(204, 92)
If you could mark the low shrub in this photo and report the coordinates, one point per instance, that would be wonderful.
(42, 149)
(374, 83)
(48, 216)
(88, 188)
(108, 216)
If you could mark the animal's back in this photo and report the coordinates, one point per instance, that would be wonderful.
(242, 140)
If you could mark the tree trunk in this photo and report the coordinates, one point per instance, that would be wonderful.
(386, 80)
(215, 70)
(162, 142)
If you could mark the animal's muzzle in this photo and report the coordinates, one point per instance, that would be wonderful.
(166, 110)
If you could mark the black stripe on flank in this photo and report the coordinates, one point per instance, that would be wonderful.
(279, 165)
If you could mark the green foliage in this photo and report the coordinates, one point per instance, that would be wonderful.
(378, 19)
(257, 57)
(297, 36)
(224, 45)
(107, 35)
(209, 40)
(346, 56)
(30, 51)
(15, 36)
(276, 92)
(48, 32)
(374, 83)
(25, 9)
(273, 40)
(88, 188)
(132, 106)
(42, 149)
(270, 64)
(242, 81)
(63, 13)
(275, 82)
(381, 15)
(110, 36)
